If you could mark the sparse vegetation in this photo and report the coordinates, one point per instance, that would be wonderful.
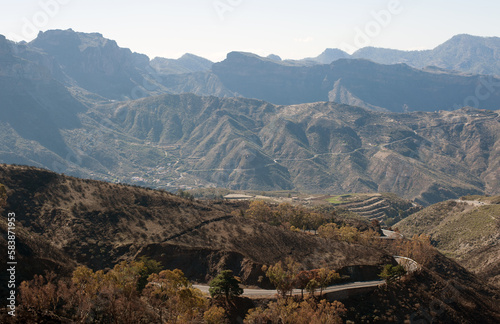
(306, 312)
(312, 219)
(348, 234)
(392, 272)
(467, 232)
(3, 195)
(112, 223)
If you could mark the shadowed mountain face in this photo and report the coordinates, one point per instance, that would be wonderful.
(396, 88)
(98, 69)
(33, 104)
(94, 62)
(99, 66)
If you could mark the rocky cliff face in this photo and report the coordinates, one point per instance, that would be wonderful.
(5, 47)
(34, 105)
(97, 66)
(94, 62)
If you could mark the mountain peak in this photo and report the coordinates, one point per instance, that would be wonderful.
(274, 57)
(471, 40)
(187, 63)
(5, 46)
(331, 54)
(69, 37)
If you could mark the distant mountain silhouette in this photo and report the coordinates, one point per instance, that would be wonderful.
(185, 64)
(464, 53)
(102, 71)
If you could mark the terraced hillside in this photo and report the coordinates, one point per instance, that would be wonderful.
(387, 208)
(372, 208)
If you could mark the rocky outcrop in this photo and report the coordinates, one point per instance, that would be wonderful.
(94, 62)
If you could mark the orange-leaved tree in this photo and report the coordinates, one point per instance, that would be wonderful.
(283, 275)
(306, 312)
(173, 297)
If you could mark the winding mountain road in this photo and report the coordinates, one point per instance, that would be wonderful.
(272, 292)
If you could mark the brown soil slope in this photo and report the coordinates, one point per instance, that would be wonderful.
(466, 230)
(99, 224)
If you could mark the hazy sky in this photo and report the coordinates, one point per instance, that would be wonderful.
(292, 29)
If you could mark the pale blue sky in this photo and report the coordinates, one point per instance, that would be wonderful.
(292, 29)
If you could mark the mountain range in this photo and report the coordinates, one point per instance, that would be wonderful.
(462, 53)
(174, 140)
(93, 65)
(465, 53)
(421, 125)
(79, 104)
(396, 88)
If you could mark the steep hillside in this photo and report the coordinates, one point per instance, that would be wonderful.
(444, 292)
(35, 106)
(467, 230)
(61, 219)
(98, 67)
(94, 63)
(185, 141)
(98, 224)
(323, 147)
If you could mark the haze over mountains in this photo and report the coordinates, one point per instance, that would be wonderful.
(397, 88)
(67, 105)
(98, 65)
(465, 53)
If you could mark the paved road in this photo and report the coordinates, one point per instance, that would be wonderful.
(409, 264)
(271, 293)
(391, 235)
